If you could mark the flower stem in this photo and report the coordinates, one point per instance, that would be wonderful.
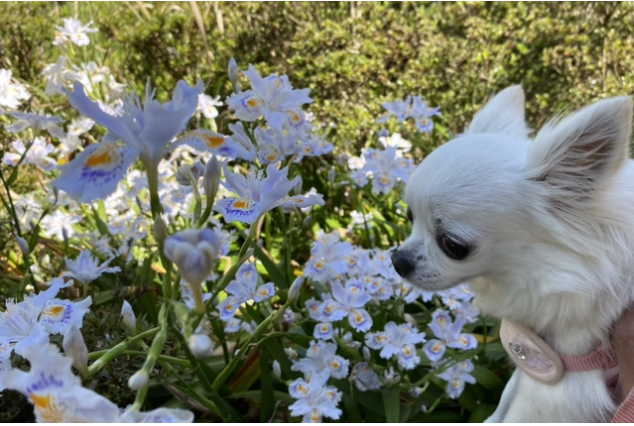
(117, 350)
(224, 374)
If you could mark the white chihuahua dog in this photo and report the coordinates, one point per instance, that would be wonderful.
(543, 230)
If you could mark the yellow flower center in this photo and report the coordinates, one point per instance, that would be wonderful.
(255, 102)
(53, 311)
(213, 141)
(104, 156)
(47, 408)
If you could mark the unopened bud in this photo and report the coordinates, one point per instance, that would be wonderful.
(138, 380)
(293, 292)
(200, 345)
(75, 347)
(366, 353)
(185, 177)
(128, 316)
(24, 246)
(298, 186)
(194, 252)
(277, 370)
(291, 353)
(307, 220)
(410, 319)
(211, 179)
(160, 228)
(233, 74)
(331, 175)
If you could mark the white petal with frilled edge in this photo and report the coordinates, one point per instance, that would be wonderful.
(302, 201)
(95, 173)
(58, 315)
(248, 106)
(208, 141)
(56, 394)
(160, 415)
(238, 209)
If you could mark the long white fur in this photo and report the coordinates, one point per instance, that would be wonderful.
(551, 221)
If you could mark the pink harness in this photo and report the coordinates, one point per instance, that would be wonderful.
(540, 361)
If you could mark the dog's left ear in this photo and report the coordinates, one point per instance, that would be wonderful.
(504, 114)
(579, 154)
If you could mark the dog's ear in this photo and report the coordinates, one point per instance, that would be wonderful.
(580, 153)
(504, 114)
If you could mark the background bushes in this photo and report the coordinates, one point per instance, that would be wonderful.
(353, 55)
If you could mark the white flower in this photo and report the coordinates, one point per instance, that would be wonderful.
(86, 268)
(59, 224)
(145, 131)
(258, 194)
(159, 415)
(274, 98)
(207, 105)
(314, 399)
(36, 155)
(321, 360)
(36, 122)
(456, 376)
(56, 394)
(74, 31)
(28, 323)
(11, 94)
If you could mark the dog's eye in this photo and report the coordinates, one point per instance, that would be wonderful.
(410, 216)
(452, 248)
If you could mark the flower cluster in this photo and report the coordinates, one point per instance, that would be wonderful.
(412, 107)
(196, 221)
(385, 167)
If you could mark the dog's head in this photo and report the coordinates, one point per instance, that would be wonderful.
(488, 202)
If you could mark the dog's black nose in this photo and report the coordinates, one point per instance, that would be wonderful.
(402, 264)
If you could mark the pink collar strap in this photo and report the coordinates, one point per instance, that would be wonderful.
(532, 354)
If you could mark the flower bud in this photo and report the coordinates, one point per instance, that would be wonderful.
(277, 370)
(128, 316)
(331, 175)
(233, 74)
(160, 228)
(24, 246)
(307, 220)
(200, 345)
(138, 380)
(193, 251)
(211, 179)
(293, 292)
(298, 186)
(185, 177)
(366, 353)
(75, 347)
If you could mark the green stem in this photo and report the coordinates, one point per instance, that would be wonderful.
(224, 374)
(117, 350)
(163, 358)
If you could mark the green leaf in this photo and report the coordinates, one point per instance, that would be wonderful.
(266, 384)
(486, 378)
(482, 413)
(274, 272)
(392, 403)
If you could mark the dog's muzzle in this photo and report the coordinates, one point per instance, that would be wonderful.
(403, 264)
